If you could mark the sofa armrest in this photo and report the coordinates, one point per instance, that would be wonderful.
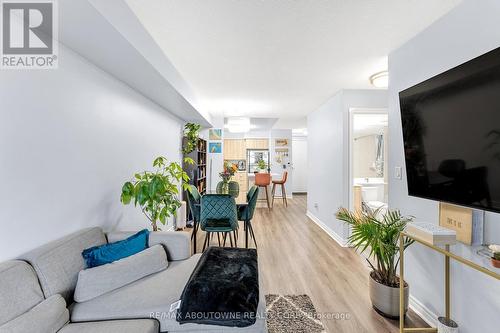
(177, 243)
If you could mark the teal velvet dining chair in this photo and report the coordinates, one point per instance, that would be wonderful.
(245, 213)
(193, 199)
(219, 215)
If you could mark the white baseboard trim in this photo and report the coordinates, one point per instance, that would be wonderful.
(342, 242)
(424, 312)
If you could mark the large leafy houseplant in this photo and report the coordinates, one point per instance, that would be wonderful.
(191, 132)
(379, 235)
(156, 192)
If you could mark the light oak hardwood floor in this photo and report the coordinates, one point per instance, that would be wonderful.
(298, 257)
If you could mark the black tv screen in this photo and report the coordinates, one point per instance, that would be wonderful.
(451, 133)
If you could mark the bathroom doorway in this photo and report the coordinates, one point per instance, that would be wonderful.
(368, 172)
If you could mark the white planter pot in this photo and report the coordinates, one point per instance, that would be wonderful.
(181, 217)
(385, 300)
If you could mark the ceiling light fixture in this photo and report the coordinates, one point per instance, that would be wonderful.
(380, 79)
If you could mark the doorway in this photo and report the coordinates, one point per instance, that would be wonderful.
(299, 162)
(368, 172)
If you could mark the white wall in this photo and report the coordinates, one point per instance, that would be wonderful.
(69, 139)
(468, 31)
(328, 154)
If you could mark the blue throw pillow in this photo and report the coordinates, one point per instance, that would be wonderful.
(107, 253)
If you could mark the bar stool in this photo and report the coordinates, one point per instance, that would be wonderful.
(281, 182)
(264, 180)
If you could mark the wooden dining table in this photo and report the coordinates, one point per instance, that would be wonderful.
(240, 204)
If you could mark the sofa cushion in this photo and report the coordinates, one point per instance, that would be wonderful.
(48, 317)
(139, 299)
(19, 289)
(58, 263)
(93, 282)
(151, 297)
(114, 326)
(107, 253)
(177, 243)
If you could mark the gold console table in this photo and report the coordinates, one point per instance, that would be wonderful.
(447, 255)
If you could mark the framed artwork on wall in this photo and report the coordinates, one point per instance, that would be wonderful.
(281, 142)
(215, 147)
(215, 134)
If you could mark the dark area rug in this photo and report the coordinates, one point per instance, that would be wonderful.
(292, 314)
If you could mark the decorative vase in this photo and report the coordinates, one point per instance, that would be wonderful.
(385, 299)
(447, 325)
(234, 189)
(225, 187)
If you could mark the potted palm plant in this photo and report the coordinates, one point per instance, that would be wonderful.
(379, 235)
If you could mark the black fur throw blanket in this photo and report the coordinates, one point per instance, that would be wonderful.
(223, 289)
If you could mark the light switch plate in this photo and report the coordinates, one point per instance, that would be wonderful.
(397, 173)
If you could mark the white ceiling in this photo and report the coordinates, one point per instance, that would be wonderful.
(280, 58)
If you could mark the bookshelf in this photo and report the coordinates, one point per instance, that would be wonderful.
(198, 171)
(201, 180)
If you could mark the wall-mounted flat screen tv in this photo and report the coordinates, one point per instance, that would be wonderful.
(451, 133)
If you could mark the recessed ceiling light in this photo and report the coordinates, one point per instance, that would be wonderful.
(380, 79)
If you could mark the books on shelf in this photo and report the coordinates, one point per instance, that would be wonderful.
(432, 233)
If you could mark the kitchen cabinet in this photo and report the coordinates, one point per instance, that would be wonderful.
(257, 143)
(234, 149)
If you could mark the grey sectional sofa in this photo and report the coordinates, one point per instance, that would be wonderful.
(50, 273)
(24, 308)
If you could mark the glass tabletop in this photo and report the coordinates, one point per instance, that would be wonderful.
(478, 254)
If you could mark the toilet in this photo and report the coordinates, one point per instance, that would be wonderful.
(370, 198)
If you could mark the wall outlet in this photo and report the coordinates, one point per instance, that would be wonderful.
(316, 205)
(398, 173)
